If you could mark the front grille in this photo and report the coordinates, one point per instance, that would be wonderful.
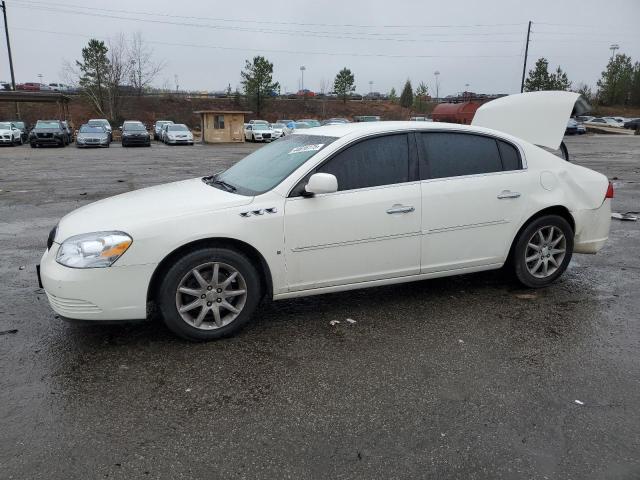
(44, 135)
(52, 236)
(266, 135)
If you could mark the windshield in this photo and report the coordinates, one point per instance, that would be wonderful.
(98, 122)
(301, 125)
(135, 127)
(47, 124)
(5, 126)
(277, 125)
(177, 128)
(163, 122)
(311, 123)
(260, 126)
(19, 124)
(267, 167)
(91, 129)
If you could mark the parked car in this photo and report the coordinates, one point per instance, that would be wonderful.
(258, 132)
(178, 134)
(310, 121)
(279, 130)
(59, 87)
(633, 124)
(9, 134)
(48, 132)
(23, 127)
(366, 118)
(163, 131)
(335, 121)
(264, 122)
(332, 209)
(92, 136)
(603, 122)
(157, 128)
(29, 86)
(135, 133)
(572, 127)
(102, 122)
(284, 121)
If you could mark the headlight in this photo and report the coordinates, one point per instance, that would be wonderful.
(93, 250)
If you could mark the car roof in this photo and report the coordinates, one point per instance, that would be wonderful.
(366, 128)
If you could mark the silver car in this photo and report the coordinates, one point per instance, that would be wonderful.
(92, 136)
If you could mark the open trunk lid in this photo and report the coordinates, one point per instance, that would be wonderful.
(537, 117)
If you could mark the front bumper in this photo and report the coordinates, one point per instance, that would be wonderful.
(136, 140)
(47, 140)
(180, 141)
(112, 293)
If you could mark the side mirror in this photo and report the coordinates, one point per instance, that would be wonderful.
(322, 183)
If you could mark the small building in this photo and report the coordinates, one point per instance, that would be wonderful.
(222, 126)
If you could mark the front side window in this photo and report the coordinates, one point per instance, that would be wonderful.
(218, 122)
(447, 154)
(267, 167)
(371, 163)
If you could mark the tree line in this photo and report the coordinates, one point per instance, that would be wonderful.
(619, 83)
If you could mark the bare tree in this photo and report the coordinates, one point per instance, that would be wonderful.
(117, 74)
(144, 69)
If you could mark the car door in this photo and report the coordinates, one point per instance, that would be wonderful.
(369, 229)
(473, 195)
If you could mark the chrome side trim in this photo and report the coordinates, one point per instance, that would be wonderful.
(464, 227)
(356, 242)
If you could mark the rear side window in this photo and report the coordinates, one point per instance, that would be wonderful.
(371, 163)
(457, 154)
(510, 156)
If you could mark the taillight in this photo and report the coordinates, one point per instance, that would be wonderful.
(609, 193)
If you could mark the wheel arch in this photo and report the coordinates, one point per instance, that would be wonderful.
(220, 242)
(558, 210)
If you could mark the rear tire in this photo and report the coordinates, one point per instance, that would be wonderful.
(213, 315)
(543, 251)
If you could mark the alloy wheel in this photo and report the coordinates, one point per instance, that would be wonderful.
(211, 295)
(545, 251)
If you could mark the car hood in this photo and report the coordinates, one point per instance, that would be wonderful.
(92, 135)
(536, 117)
(6, 132)
(154, 205)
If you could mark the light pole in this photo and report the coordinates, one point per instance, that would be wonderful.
(40, 77)
(613, 48)
(370, 87)
(437, 74)
(302, 69)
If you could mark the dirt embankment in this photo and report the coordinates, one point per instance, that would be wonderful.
(180, 109)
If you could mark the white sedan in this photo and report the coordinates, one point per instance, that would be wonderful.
(9, 134)
(335, 208)
(258, 132)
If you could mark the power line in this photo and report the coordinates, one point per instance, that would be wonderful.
(269, 22)
(295, 52)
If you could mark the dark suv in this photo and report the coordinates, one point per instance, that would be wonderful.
(135, 133)
(48, 132)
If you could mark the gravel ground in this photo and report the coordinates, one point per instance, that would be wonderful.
(468, 377)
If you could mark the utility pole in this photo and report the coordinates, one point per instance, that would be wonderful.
(437, 74)
(526, 54)
(6, 31)
(302, 69)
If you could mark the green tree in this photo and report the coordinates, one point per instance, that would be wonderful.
(585, 91)
(344, 84)
(420, 97)
(257, 81)
(614, 87)
(94, 73)
(540, 79)
(393, 96)
(559, 80)
(406, 97)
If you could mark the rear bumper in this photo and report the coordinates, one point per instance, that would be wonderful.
(592, 228)
(95, 294)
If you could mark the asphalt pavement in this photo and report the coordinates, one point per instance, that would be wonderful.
(469, 377)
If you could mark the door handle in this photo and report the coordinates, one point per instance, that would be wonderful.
(508, 194)
(400, 209)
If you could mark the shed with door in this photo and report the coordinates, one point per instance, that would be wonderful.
(222, 126)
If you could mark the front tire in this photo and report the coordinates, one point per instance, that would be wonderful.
(209, 293)
(543, 251)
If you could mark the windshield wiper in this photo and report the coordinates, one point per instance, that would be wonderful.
(216, 181)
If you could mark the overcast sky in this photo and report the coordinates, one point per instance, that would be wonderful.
(205, 43)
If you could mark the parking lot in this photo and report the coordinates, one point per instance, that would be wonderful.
(467, 377)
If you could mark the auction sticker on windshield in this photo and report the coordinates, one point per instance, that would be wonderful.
(307, 148)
